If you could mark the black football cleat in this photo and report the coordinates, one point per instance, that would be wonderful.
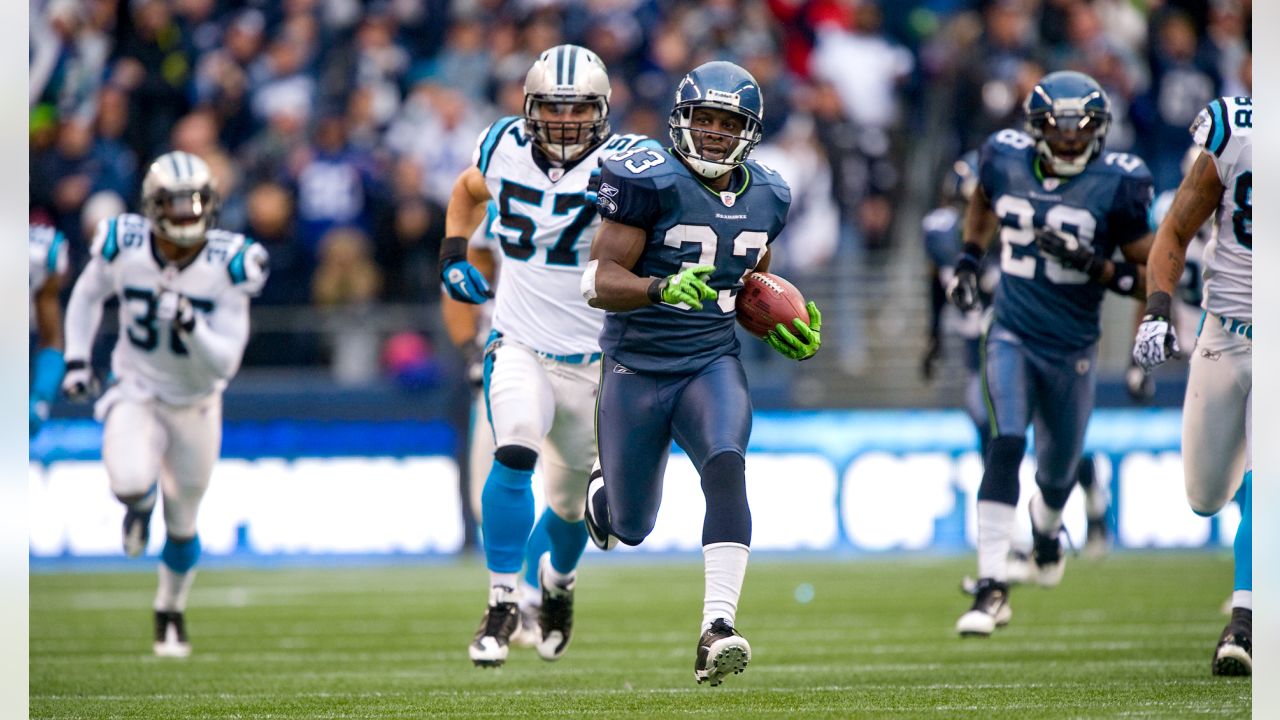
(721, 652)
(990, 610)
(501, 620)
(1234, 654)
(171, 635)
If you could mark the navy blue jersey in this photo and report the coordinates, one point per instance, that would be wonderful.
(1053, 307)
(687, 224)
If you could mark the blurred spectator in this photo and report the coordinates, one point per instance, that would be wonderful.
(334, 184)
(270, 222)
(111, 147)
(438, 129)
(1184, 80)
(991, 84)
(346, 283)
(67, 57)
(153, 64)
(62, 179)
(409, 231)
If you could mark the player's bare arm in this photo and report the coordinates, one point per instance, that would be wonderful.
(609, 283)
(980, 220)
(466, 204)
(49, 313)
(1197, 197)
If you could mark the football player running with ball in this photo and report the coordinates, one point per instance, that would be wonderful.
(184, 291)
(1062, 207)
(682, 228)
(1217, 431)
(542, 358)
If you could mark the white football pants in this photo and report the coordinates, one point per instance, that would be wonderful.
(145, 440)
(533, 398)
(1217, 432)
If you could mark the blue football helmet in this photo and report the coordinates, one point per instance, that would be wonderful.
(961, 179)
(717, 85)
(1068, 114)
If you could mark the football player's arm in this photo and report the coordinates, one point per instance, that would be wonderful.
(462, 320)
(980, 222)
(467, 205)
(84, 310)
(609, 283)
(219, 345)
(49, 313)
(1197, 197)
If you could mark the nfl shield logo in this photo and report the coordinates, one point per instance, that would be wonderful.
(555, 174)
(728, 198)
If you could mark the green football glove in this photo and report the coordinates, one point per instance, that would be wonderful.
(804, 343)
(689, 286)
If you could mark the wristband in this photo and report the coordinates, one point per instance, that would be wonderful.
(1125, 278)
(452, 249)
(1159, 305)
(655, 290)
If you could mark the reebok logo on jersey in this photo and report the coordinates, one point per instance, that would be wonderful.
(620, 370)
(605, 196)
(607, 189)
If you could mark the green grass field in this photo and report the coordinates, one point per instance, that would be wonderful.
(1127, 636)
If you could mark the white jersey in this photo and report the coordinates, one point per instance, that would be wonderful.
(152, 359)
(1224, 129)
(47, 250)
(544, 227)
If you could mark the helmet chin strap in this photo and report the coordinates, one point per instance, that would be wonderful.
(183, 239)
(1064, 168)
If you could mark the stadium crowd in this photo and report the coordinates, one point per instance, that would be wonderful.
(335, 128)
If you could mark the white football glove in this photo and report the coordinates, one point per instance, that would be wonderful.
(78, 384)
(1156, 342)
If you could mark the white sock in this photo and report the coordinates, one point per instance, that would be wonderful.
(530, 596)
(725, 568)
(557, 578)
(508, 581)
(1047, 520)
(1096, 499)
(1242, 599)
(173, 588)
(995, 528)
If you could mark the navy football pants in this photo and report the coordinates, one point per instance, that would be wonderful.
(707, 413)
(1056, 393)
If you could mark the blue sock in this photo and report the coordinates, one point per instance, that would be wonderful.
(507, 503)
(49, 368)
(1244, 537)
(180, 555)
(568, 540)
(539, 542)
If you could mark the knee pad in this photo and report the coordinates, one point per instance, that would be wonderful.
(517, 457)
(1000, 477)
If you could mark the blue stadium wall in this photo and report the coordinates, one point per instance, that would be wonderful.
(848, 482)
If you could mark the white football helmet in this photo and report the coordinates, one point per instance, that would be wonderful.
(179, 197)
(566, 74)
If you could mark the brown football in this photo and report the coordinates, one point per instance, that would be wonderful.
(767, 300)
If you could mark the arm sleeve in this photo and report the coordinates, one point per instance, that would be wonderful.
(84, 309)
(627, 200)
(92, 288)
(219, 344)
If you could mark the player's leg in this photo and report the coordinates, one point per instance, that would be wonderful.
(195, 433)
(1064, 391)
(633, 437)
(480, 447)
(133, 444)
(712, 422)
(1005, 389)
(570, 453)
(1219, 402)
(521, 406)
(1097, 498)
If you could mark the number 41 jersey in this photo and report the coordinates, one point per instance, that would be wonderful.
(544, 227)
(1053, 307)
(1225, 129)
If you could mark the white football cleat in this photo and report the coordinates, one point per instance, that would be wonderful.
(599, 536)
(501, 620)
(990, 610)
(1048, 562)
(721, 652)
(555, 617)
